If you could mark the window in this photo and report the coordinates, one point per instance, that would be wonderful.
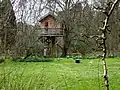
(46, 24)
(46, 27)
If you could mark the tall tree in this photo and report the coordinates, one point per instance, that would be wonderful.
(103, 36)
(68, 14)
(8, 23)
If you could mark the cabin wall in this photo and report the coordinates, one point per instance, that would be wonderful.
(51, 23)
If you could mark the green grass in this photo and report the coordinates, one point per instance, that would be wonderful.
(62, 74)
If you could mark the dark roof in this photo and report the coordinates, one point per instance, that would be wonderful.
(45, 16)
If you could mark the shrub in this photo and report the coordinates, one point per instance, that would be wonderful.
(2, 59)
(67, 56)
(77, 57)
(34, 59)
(111, 56)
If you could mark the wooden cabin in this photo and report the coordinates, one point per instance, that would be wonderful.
(51, 34)
(50, 26)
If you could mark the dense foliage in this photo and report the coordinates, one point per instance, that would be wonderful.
(34, 59)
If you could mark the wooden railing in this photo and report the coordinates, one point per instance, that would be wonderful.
(51, 31)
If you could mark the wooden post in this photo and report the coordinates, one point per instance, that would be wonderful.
(45, 52)
(53, 47)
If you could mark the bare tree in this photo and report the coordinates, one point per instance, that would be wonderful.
(68, 14)
(8, 24)
(101, 38)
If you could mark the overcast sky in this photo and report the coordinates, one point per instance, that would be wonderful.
(31, 11)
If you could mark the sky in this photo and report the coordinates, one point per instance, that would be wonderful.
(31, 11)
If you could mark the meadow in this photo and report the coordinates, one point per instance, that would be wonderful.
(61, 74)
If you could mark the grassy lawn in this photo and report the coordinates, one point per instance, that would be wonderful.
(62, 74)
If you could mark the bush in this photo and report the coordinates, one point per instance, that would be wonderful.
(34, 59)
(2, 59)
(111, 56)
(77, 57)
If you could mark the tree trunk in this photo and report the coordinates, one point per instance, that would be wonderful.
(65, 51)
(103, 43)
(66, 43)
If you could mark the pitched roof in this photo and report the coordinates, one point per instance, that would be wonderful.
(45, 16)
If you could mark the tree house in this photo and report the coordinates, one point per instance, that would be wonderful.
(50, 34)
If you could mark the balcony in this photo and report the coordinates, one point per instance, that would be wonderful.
(52, 32)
